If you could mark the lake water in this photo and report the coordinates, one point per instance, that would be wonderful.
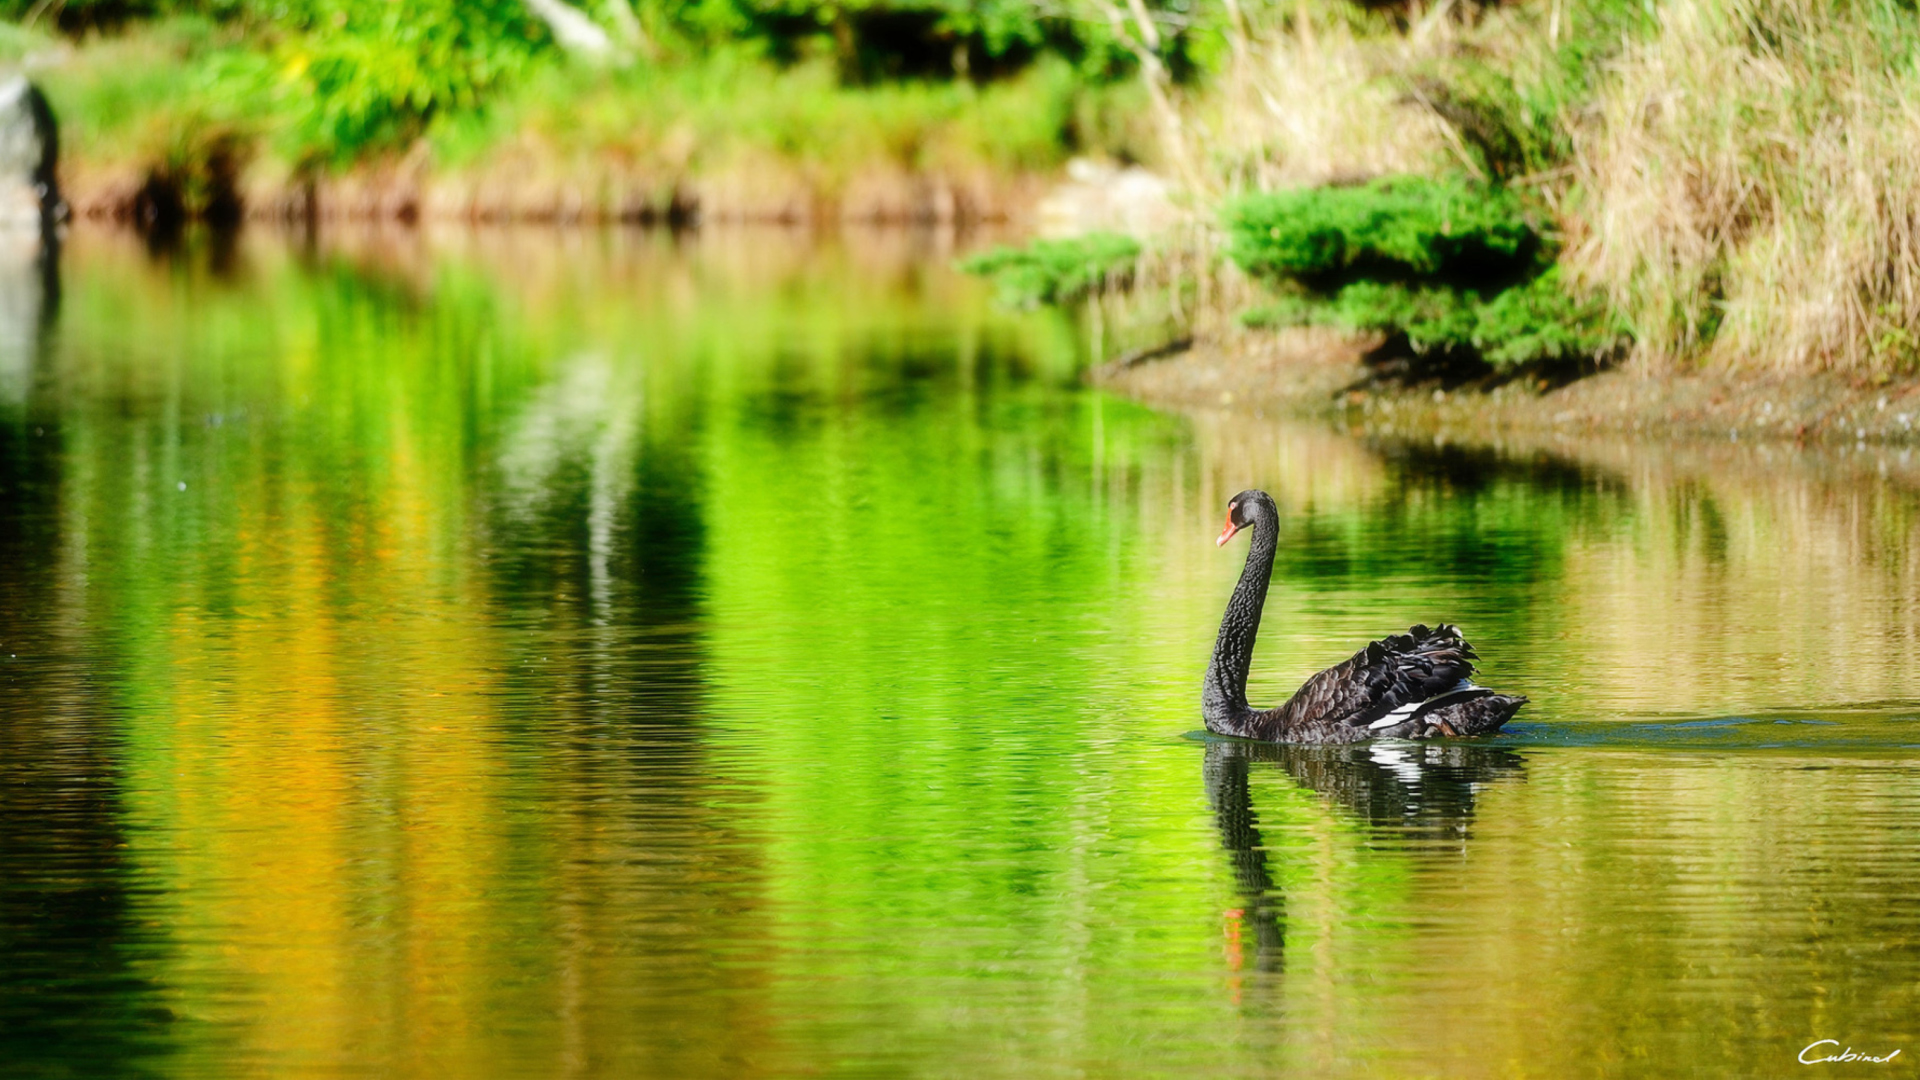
(594, 654)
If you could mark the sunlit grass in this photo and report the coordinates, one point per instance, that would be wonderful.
(1736, 177)
(120, 99)
(733, 105)
(157, 98)
(1750, 186)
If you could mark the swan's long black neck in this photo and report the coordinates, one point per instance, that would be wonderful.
(1223, 701)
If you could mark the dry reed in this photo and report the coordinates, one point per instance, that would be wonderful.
(1742, 179)
(1749, 187)
(1316, 102)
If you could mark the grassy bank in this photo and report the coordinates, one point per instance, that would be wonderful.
(1718, 183)
(1715, 184)
(1737, 177)
(204, 114)
(1749, 186)
(1318, 374)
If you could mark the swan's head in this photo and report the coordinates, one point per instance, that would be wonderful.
(1247, 508)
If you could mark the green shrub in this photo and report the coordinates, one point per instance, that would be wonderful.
(1434, 319)
(1454, 266)
(367, 75)
(1545, 319)
(1539, 320)
(1057, 271)
(881, 40)
(1400, 228)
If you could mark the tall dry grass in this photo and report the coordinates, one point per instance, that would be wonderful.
(1740, 177)
(1308, 96)
(1314, 100)
(1748, 187)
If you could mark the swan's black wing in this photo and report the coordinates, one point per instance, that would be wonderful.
(1476, 712)
(1402, 672)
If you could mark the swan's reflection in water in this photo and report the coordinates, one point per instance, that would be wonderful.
(1416, 791)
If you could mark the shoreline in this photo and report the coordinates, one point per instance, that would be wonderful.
(406, 192)
(1318, 374)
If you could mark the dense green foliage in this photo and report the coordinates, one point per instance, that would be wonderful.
(1453, 266)
(316, 80)
(880, 39)
(1546, 319)
(1456, 267)
(368, 73)
(335, 80)
(1057, 271)
(1539, 320)
(1392, 228)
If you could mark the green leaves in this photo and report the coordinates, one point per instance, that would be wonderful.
(367, 74)
(1540, 320)
(1451, 264)
(1545, 319)
(1057, 271)
(1392, 227)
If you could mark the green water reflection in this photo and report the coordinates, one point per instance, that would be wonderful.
(599, 654)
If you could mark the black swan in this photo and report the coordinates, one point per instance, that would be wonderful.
(1414, 685)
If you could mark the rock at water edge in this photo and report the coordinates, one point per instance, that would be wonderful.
(29, 150)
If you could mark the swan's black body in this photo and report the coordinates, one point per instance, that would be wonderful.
(1410, 686)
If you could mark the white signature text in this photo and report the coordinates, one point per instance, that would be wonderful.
(1844, 1055)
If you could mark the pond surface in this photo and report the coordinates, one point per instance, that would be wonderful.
(559, 654)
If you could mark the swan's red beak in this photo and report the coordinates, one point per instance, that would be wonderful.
(1226, 534)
